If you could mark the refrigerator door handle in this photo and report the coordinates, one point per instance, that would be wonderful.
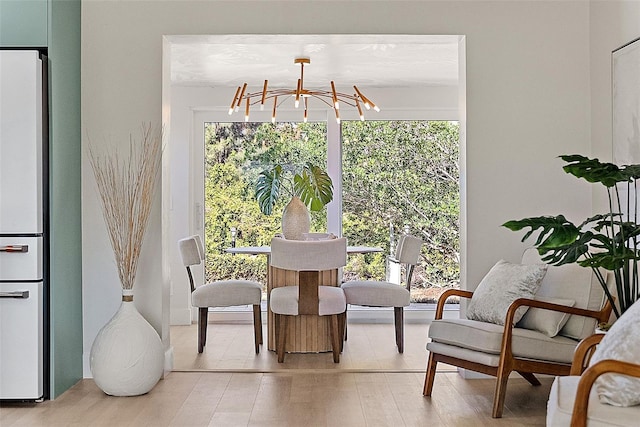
(14, 248)
(15, 294)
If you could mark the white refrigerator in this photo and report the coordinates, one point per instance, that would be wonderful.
(23, 225)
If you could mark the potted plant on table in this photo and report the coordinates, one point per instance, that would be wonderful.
(608, 241)
(309, 188)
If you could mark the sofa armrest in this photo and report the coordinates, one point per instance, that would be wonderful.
(445, 295)
(588, 377)
(583, 353)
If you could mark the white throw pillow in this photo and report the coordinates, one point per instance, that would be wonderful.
(622, 342)
(548, 322)
(503, 284)
(571, 281)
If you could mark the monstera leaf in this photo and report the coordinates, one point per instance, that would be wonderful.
(312, 185)
(555, 231)
(268, 188)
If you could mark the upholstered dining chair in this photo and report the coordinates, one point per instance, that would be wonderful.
(221, 293)
(308, 296)
(386, 294)
(564, 309)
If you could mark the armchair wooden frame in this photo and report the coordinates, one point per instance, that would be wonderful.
(581, 357)
(508, 362)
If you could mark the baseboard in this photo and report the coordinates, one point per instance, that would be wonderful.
(168, 361)
(86, 365)
(473, 375)
(385, 315)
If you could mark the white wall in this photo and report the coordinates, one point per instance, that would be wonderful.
(528, 100)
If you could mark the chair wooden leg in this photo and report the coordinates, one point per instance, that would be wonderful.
(203, 313)
(501, 391)
(342, 325)
(335, 338)
(281, 340)
(429, 375)
(257, 326)
(398, 314)
(529, 377)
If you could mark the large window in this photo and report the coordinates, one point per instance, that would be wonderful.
(235, 153)
(397, 176)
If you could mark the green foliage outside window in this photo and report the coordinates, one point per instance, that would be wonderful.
(404, 173)
(395, 173)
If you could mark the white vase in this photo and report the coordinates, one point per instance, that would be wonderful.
(127, 356)
(295, 220)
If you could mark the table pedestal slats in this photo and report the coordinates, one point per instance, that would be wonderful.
(307, 333)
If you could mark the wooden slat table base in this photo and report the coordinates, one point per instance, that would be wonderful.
(307, 333)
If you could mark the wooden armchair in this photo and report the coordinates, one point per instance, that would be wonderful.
(572, 401)
(498, 350)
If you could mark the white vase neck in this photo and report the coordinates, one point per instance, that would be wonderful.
(127, 295)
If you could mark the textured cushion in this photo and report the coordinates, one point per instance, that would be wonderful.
(200, 245)
(560, 407)
(571, 281)
(622, 342)
(408, 250)
(548, 322)
(284, 300)
(300, 255)
(502, 285)
(375, 294)
(318, 236)
(227, 293)
(487, 338)
(189, 251)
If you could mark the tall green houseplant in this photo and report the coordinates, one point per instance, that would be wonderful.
(606, 241)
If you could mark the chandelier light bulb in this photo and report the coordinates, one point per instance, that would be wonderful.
(275, 105)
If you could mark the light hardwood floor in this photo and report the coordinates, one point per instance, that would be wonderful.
(229, 385)
(370, 347)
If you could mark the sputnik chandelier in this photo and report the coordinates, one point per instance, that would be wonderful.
(332, 98)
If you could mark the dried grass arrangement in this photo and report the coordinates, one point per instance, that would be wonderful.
(127, 185)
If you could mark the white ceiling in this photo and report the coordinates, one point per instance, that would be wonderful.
(363, 60)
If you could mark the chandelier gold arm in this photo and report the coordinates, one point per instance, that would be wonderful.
(331, 98)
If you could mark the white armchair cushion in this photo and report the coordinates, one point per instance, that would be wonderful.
(503, 284)
(570, 281)
(227, 293)
(562, 398)
(548, 322)
(487, 338)
(622, 342)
